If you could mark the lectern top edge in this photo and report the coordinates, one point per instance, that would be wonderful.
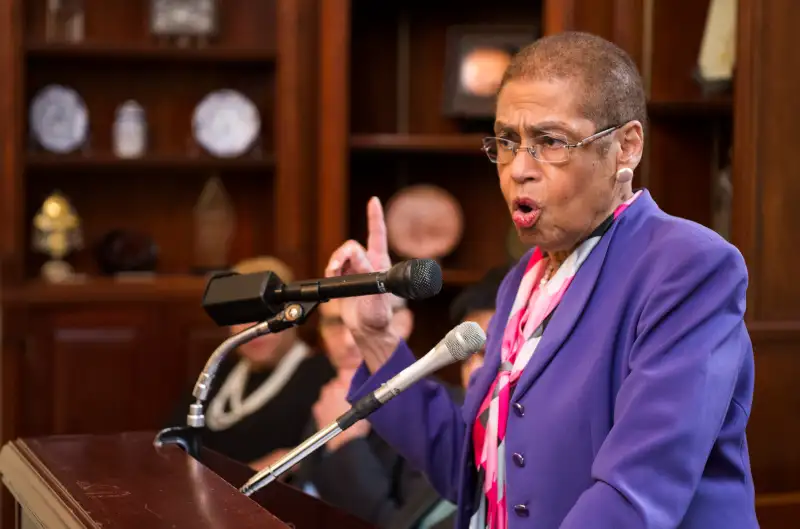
(120, 482)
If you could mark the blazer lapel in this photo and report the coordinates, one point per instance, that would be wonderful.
(566, 314)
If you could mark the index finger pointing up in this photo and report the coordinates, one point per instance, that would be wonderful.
(377, 246)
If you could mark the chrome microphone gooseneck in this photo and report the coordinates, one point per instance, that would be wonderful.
(196, 417)
(290, 316)
(187, 436)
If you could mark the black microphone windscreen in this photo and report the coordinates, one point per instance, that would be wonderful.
(415, 279)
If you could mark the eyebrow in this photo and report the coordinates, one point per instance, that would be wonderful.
(539, 128)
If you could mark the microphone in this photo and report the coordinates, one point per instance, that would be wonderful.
(462, 341)
(231, 298)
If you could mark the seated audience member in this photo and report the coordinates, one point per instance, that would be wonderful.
(356, 471)
(477, 303)
(426, 509)
(260, 401)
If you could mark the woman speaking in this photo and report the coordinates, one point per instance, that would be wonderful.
(618, 375)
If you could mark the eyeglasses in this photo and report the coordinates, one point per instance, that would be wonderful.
(335, 323)
(545, 147)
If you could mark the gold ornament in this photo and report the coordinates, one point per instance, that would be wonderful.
(57, 232)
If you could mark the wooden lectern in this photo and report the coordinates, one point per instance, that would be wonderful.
(123, 481)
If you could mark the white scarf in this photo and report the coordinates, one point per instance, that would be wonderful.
(229, 407)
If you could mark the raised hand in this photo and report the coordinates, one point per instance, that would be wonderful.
(367, 317)
(332, 403)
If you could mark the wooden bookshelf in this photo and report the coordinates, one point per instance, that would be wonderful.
(66, 346)
(381, 80)
(102, 162)
(254, 52)
(93, 290)
(712, 107)
(152, 54)
(443, 143)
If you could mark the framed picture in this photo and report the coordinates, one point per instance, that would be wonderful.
(477, 57)
(184, 18)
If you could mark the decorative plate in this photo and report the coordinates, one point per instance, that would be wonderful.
(226, 123)
(59, 120)
(424, 222)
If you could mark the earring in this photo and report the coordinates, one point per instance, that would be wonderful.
(624, 175)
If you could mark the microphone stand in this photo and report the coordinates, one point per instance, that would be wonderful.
(462, 341)
(360, 410)
(188, 437)
(297, 454)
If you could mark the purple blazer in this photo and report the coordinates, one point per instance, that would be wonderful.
(631, 413)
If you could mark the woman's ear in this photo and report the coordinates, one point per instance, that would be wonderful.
(631, 143)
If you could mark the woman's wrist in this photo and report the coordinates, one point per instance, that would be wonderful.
(376, 347)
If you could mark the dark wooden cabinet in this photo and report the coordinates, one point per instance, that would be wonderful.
(83, 368)
(106, 367)
(107, 361)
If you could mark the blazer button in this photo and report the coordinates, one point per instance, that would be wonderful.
(521, 510)
(518, 460)
(519, 409)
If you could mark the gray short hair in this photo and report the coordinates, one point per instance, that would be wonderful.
(613, 90)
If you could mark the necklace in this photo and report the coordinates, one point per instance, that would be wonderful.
(548, 273)
(229, 406)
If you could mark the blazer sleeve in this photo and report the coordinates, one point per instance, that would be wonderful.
(422, 423)
(683, 365)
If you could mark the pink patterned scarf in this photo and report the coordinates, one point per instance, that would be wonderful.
(535, 302)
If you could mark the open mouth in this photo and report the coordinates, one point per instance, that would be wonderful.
(524, 207)
(525, 212)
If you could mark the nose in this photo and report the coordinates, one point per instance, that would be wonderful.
(524, 167)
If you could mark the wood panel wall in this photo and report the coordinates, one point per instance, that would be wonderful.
(109, 355)
(766, 222)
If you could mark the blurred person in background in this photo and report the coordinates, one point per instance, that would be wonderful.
(260, 401)
(477, 303)
(426, 509)
(355, 471)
